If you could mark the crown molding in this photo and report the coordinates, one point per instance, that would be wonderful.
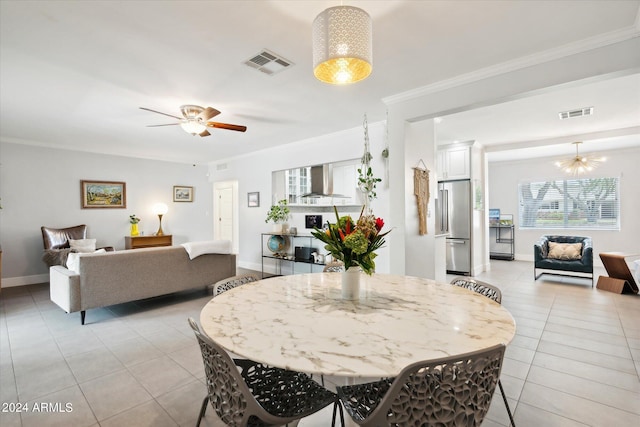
(569, 49)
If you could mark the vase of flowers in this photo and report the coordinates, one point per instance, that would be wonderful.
(134, 220)
(355, 244)
(278, 214)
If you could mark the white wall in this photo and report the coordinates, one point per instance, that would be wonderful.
(41, 187)
(503, 194)
(253, 173)
(487, 87)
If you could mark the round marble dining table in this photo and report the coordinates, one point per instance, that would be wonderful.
(300, 322)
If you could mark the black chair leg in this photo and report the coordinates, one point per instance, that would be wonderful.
(506, 404)
(203, 409)
(337, 406)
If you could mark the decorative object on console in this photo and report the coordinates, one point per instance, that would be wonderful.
(278, 214)
(160, 209)
(253, 199)
(353, 243)
(577, 165)
(278, 244)
(103, 194)
(182, 193)
(134, 220)
(342, 45)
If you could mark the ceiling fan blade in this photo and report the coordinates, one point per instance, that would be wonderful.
(226, 126)
(168, 124)
(164, 114)
(208, 113)
(204, 133)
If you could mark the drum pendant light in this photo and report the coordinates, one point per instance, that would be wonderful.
(342, 45)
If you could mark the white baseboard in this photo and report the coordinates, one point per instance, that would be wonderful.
(10, 282)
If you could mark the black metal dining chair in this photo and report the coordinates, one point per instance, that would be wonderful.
(448, 391)
(232, 282)
(247, 393)
(495, 294)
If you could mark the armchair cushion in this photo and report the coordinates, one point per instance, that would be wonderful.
(565, 251)
(83, 245)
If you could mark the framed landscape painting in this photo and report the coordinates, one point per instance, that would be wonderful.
(253, 199)
(103, 194)
(182, 193)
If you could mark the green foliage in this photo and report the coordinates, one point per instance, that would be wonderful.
(367, 182)
(133, 219)
(352, 243)
(279, 212)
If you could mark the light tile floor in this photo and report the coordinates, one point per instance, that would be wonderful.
(574, 361)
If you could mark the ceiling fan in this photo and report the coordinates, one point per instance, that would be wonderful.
(195, 120)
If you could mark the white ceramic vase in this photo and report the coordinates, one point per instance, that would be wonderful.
(277, 227)
(351, 283)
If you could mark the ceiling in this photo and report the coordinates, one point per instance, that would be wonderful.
(73, 74)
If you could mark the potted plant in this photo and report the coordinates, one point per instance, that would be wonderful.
(134, 220)
(278, 214)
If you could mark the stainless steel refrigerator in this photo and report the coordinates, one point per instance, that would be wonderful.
(454, 217)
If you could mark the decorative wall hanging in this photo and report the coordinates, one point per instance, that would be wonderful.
(182, 193)
(366, 181)
(103, 194)
(253, 199)
(421, 191)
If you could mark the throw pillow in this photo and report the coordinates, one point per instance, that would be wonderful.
(73, 261)
(83, 245)
(53, 257)
(565, 251)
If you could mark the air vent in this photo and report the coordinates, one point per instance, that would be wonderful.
(587, 111)
(268, 62)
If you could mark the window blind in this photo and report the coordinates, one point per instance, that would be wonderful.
(592, 203)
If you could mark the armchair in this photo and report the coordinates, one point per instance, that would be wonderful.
(548, 258)
(56, 243)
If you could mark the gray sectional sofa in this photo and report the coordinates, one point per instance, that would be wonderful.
(109, 278)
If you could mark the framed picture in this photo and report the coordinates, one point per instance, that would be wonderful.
(253, 199)
(103, 194)
(182, 193)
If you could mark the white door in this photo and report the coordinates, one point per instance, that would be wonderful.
(223, 228)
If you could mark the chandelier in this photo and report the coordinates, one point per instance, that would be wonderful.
(578, 164)
(342, 45)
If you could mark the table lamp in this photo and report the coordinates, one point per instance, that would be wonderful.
(160, 209)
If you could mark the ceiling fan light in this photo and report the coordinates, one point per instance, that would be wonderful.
(193, 127)
(342, 45)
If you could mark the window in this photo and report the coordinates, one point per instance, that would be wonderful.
(572, 203)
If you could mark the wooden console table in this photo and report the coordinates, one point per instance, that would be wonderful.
(136, 242)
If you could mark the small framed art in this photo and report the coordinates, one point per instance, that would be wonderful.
(103, 194)
(182, 193)
(253, 199)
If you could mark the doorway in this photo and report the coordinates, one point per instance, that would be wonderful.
(225, 220)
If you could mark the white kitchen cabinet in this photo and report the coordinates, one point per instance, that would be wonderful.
(454, 163)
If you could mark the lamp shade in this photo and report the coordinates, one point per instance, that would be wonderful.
(342, 45)
(160, 209)
(193, 127)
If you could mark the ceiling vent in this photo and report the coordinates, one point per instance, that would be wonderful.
(268, 62)
(587, 111)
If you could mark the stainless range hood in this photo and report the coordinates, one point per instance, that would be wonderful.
(321, 182)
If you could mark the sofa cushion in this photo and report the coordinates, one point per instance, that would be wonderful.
(83, 245)
(565, 251)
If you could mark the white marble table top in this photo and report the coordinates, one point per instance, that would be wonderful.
(299, 322)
